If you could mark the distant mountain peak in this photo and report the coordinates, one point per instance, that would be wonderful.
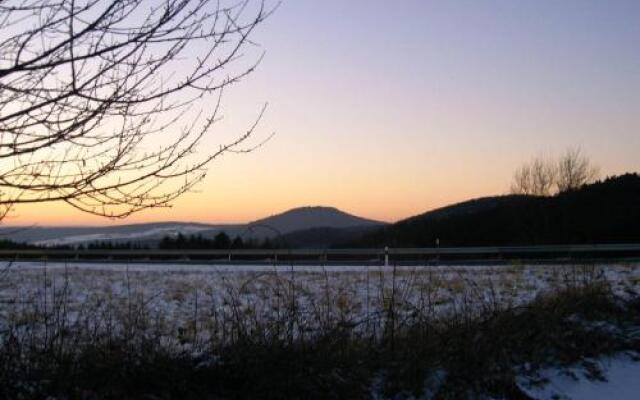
(312, 208)
(295, 219)
(307, 217)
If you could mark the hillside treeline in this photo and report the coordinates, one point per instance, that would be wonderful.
(606, 211)
(221, 241)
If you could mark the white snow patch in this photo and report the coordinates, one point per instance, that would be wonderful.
(98, 237)
(622, 382)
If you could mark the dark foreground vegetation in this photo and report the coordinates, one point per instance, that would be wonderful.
(471, 349)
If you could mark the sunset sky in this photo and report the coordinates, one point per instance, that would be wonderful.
(386, 109)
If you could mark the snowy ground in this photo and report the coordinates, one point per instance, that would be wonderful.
(199, 295)
(176, 289)
(620, 381)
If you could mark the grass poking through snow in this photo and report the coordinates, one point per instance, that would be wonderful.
(401, 333)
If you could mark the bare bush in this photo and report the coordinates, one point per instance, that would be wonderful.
(536, 178)
(522, 181)
(103, 103)
(574, 170)
(543, 175)
(546, 177)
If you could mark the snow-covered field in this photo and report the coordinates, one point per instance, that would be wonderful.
(174, 289)
(177, 291)
(202, 299)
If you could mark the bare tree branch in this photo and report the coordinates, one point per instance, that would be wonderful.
(103, 103)
(546, 177)
(575, 170)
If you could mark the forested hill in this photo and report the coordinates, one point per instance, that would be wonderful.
(603, 212)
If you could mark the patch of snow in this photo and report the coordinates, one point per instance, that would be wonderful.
(621, 382)
(99, 237)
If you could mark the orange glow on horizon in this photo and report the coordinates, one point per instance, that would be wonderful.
(461, 96)
(223, 211)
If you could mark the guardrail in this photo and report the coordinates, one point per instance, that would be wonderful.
(366, 255)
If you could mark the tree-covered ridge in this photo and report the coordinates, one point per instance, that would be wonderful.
(606, 211)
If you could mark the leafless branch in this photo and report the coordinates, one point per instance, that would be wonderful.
(545, 177)
(103, 103)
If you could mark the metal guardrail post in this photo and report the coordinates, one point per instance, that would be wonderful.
(386, 256)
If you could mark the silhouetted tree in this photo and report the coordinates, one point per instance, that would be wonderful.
(180, 242)
(237, 243)
(267, 244)
(545, 177)
(574, 170)
(7, 244)
(222, 241)
(103, 103)
(536, 178)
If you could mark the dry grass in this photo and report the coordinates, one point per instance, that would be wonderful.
(394, 333)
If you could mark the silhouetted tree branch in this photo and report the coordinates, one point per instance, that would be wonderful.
(575, 170)
(536, 178)
(544, 177)
(103, 103)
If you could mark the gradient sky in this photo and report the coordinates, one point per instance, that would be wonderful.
(387, 109)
